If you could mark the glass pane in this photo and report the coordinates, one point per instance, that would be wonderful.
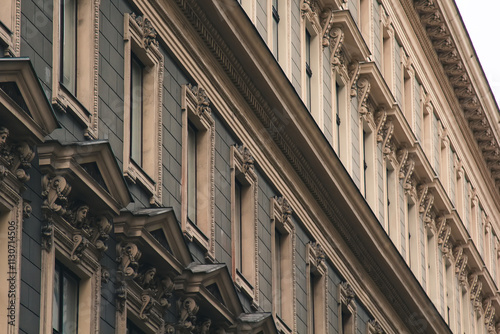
(136, 112)
(68, 44)
(191, 177)
(237, 225)
(56, 301)
(70, 305)
(275, 38)
(277, 270)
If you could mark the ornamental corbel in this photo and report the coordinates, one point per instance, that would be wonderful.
(80, 243)
(406, 172)
(165, 290)
(247, 158)
(475, 291)
(422, 190)
(128, 255)
(444, 232)
(148, 33)
(380, 118)
(188, 308)
(285, 209)
(374, 327)
(388, 130)
(47, 232)
(202, 100)
(54, 193)
(121, 295)
(147, 303)
(102, 228)
(354, 69)
(308, 7)
(336, 41)
(22, 156)
(425, 6)
(426, 208)
(461, 264)
(327, 27)
(317, 254)
(363, 91)
(347, 293)
(489, 313)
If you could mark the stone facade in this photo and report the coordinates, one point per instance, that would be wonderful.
(252, 166)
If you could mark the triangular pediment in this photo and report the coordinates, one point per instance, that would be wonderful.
(91, 169)
(158, 234)
(212, 286)
(24, 108)
(256, 323)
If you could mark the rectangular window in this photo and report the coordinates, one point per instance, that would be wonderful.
(277, 271)
(65, 302)
(191, 172)
(133, 328)
(276, 20)
(136, 98)
(309, 72)
(68, 21)
(365, 163)
(337, 115)
(237, 227)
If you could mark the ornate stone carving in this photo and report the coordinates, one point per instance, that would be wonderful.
(387, 131)
(454, 69)
(14, 157)
(327, 27)
(247, 158)
(121, 295)
(27, 209)
(406, 167)
(461, 80)
(308, 6)
(105, 275)
(475, 291)
(425, 6)
(380, 119)
(286, 209)
(188, 308)
(461, 265)
(202, 100)
(375, 327)
(432, 18)
(80, 243)
(363, 91)
(317, 252)
(128, 255)
(54, 192)
(348, 293)
(489, 314)
(148, 33)
(444, 232)
(438, 32)
(353, 70)
(444, 45)
(425, 208)
(335, 41)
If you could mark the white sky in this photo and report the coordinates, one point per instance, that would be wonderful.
(481, 17)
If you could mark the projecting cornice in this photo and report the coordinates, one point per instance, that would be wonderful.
(477, 110)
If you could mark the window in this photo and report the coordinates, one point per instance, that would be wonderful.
(244, 206)
(309, 72)
(450, 307)
(143, 86)
(276, 21)
(68, 45)
(65, 302)
(347, 309)
(191, 173)
(136, 98)
(282, 247)
(198, 167)
(413, 246)
(387, 55)
(76, 61)
(432, 273)
(311, 55)
(132, 328)
(368, 164)
(316, 277)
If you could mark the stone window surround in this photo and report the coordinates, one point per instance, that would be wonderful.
(195, 106)
(242, 169)
(346, 302)
(10, 30)
(316, 266)
(281, 220)
(85, 104)
(140, 40)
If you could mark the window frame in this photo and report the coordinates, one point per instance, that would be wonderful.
(347, 305)
(195, 106)
(83, 103)
(146, 48)
(281, 222)
(63, 271)
(317, 278)
(242, 172)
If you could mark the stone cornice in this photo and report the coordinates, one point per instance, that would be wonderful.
(477, 111)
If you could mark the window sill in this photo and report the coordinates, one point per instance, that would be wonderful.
(281, 326)
(193, 233)
(246, 288)
(64, 101)
(137, 175)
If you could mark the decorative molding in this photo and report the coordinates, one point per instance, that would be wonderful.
(202, 102)
(387, 131)
(380, 119)
(246, 159)
(147, 32)
(353, 71)
(15, 157)
(336, 40)
(363, 91)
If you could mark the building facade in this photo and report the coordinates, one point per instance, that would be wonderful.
(251, 166)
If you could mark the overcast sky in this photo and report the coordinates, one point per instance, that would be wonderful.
(481, 18)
